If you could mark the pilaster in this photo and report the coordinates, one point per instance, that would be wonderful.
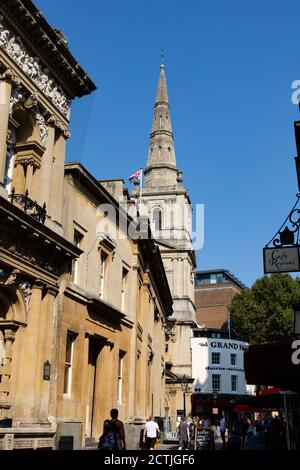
(7, 80)
(57, 177)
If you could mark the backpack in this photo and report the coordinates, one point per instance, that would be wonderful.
(110, 442)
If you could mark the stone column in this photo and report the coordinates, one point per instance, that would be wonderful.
(104, 396)
(47, 166)
(5, 369)
(42, 388)
(57, 180)
(28, 179)
(28, 374)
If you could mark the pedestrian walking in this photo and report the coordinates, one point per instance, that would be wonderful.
(118, 426)
(110, 439)
(151, 433)
(223, 428)
(183, 434)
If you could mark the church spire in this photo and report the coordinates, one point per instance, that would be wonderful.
(161, 164)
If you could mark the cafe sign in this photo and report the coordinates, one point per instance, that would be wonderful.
(281, 259)
(281, 254)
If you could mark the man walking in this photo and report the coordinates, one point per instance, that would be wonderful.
(183, 434)
(151, 433)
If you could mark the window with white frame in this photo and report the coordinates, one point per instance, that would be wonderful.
(120, 375)
(124, 288)
(69, 363)
(215, 358)
(78, 237)
(234, 379)
(233, 359)
(103, 272)
(216, 381)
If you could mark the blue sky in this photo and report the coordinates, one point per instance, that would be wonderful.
(229, 68)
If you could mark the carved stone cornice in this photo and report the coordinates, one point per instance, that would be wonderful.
(49, 44)
(32, 67)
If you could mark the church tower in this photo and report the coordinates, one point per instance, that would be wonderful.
(168, 206)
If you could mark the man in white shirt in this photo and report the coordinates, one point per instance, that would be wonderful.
(151, 433)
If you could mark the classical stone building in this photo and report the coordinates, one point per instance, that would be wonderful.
(166, 202)
(84, 306)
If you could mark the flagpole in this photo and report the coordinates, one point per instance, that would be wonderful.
(141, 182)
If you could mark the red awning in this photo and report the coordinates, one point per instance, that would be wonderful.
(269, 391)
(245, 409)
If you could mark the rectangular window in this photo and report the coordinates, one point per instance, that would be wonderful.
(78, 237)
(120, 375)
(69, 363)
(233, 359)
(124, 288)
(216, 382)
(234, 383)
(215, 358)
(2, 349)
(103, 272)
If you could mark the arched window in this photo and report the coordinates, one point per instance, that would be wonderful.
(157, 218)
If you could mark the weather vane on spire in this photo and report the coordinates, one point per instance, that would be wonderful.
(162, 57)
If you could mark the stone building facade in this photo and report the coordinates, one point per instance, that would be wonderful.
(84, 306)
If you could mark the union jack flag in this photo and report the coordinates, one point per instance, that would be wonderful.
(136, 174)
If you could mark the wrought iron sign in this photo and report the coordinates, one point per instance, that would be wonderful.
(281, 254)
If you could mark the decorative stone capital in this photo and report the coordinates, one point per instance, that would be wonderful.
(38, 284)
(67, 134)
(10, 77)
(29, 153)
(51, 121)
(52, 290)
(31, 101)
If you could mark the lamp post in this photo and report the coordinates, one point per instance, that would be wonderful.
(297, 321)
(184, 386)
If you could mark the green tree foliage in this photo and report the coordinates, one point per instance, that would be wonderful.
(265, 312)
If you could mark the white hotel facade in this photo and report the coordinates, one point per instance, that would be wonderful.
(218, 371)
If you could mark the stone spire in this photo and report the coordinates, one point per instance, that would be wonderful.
(161, 170)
